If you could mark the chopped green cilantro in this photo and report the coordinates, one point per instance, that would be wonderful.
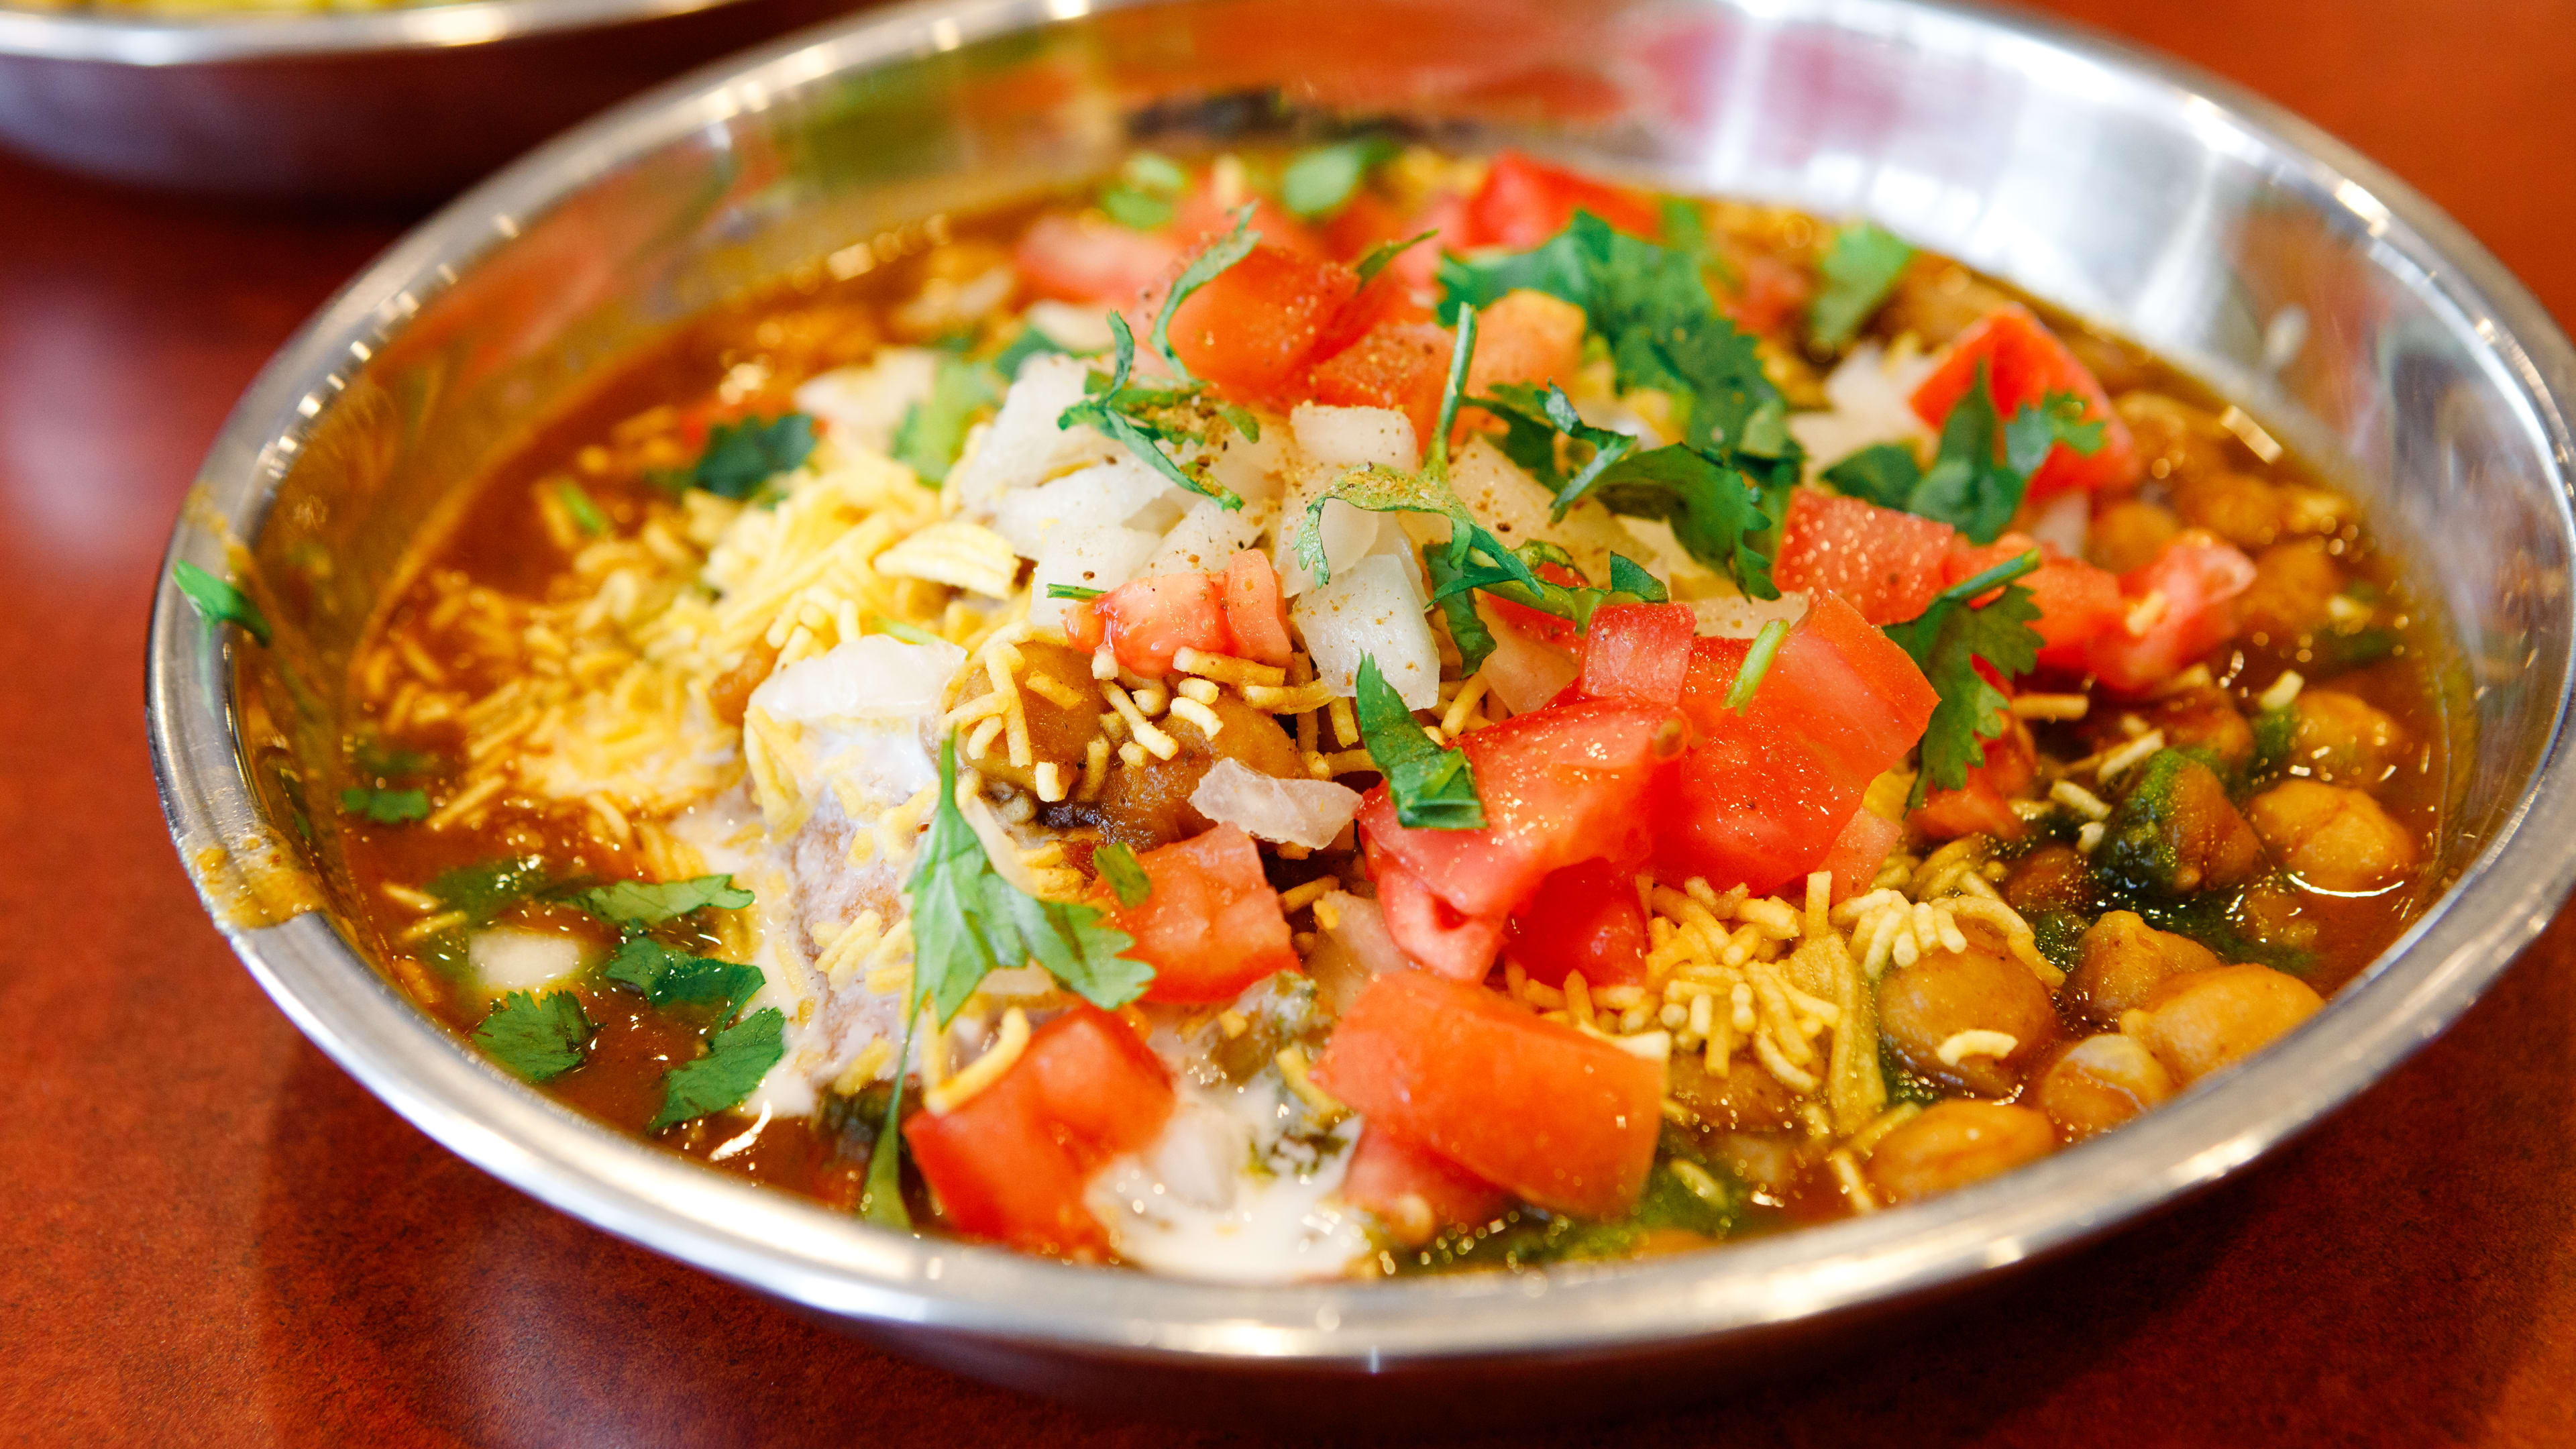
(933, 430)
(1204, 268)
(1032, 341)
(1859, 269)
(484, 889)
(1126, 875)
(635, 904)
(218, 602)
(1322, 181)
(1946, 641)
(385, 807)
(585, 510)
(1974, 485)
(1075, 592)
(1434, 788)
(538, 1037)
(1757, 663)
(1533, 418)
(1375, 259)
(374, 759)
(741, 457)
(1717, 512)
(737, 1058)
(669, 977)
(1627, 576)
(1139, 419)
(1147, 191)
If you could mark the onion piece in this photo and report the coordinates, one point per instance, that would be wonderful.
(1300, 812)
(1356, 948)
(1374, 609)
(1522, 672)
(1354, 437)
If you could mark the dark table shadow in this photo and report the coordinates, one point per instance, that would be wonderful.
(2368, 1285)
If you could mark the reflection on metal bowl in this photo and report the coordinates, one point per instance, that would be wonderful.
(2336, 305)
(402, 105)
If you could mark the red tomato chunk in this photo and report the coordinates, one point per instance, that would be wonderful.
(1012, 1162)
(1559, 1119)
(1524, 202)
(1212, 926)
(1415, 1190)
(1584, 918)
(1255, 326)
(1885, 563)
(2026, 362)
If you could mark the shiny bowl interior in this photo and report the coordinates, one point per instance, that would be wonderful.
(2342, 310)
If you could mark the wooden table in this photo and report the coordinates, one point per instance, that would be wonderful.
(209, 1234)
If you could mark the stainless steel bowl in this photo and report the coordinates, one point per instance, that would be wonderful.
(2344, 311)
(403, 105)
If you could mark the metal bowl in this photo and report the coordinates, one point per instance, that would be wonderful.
(404, 105)
(2343, 311)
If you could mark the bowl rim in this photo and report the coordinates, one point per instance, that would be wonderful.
(831, 1264)
(161, 40)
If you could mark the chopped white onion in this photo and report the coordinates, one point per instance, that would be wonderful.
(1023, 447)
(1300, 812)
(1870, 402)
(1197, 1156)
(1348, 533)
(1359, 927)
(860, 407)
(510, 958)
(1522, 672)
(1208, 534)
(1106, 495)
(1354, 437)
(1080, 329)
(1086, 558)
(1373, 609)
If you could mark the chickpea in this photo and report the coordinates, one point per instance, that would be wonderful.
(2293, 584)
(2176, 832)
(1954, 1144)
(2246, 511)
(2341, 739)
(2178, 442)
(1747, 1098)
(2332, 837)
(1947, 992)
(2051, 878)
(2098, 1084)
(2128, 535)
(2122, 960)
(2205, 719)
(2204, 1021)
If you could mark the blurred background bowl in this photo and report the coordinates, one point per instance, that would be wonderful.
(2334, 304)
(403, 105)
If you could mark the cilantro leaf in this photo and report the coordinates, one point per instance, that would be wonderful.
(1118, 865)
(1858, 270)
(1075, 592)
(666, 976)
(385, 807)
(1032, 341)
(1757, 663)
(1532, 420)
(967, 921)
(538, 1037)
(1946, 641)
(218, 602)
(483, 889)
(1149, 186)
(638, 903)
(1434, 788)
(743, 456)
(737, 1058)
(933, 430)
(1715, 511)
(1984, 467)
(1128, 416)
(585, 510)
(1321, 181)
(1627, 576)
(1374, 260)
(1203, 269)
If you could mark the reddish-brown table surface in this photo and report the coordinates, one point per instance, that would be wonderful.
(209, 1234)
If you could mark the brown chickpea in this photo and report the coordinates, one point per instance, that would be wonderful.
(2205, 1021)
(2341, 739)
(1942, 994)
(2128, 535)
(2051, 878)
(2098, 1084)
(1954, 1144)
(2121, 960)
(2331, 837)
(2293, 584)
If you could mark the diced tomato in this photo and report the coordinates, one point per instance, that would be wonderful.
(1524, 202)
(1773, 292)
(1254, 612)
(1199, 218)
(1365, 221)
(1074, 260)
(1384, 302)
(1151, 619)
(1563, 1120)
(1859, 851)
(2076, 600)
(1641, 651)
(1212, 925)
(1084, 629)
(1399, 365)
(1983, 805)
(1546, 628)
(1584, 918)
(1253, 329)
(1417, 268)
(2027, 363)
(1432, 933)
(1847, 689)
(1560, 786)
(1764, 796)
(1528, 337)
(1413, 1187)
(1011, 1163)
(2182, 604)
(1884, 562)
